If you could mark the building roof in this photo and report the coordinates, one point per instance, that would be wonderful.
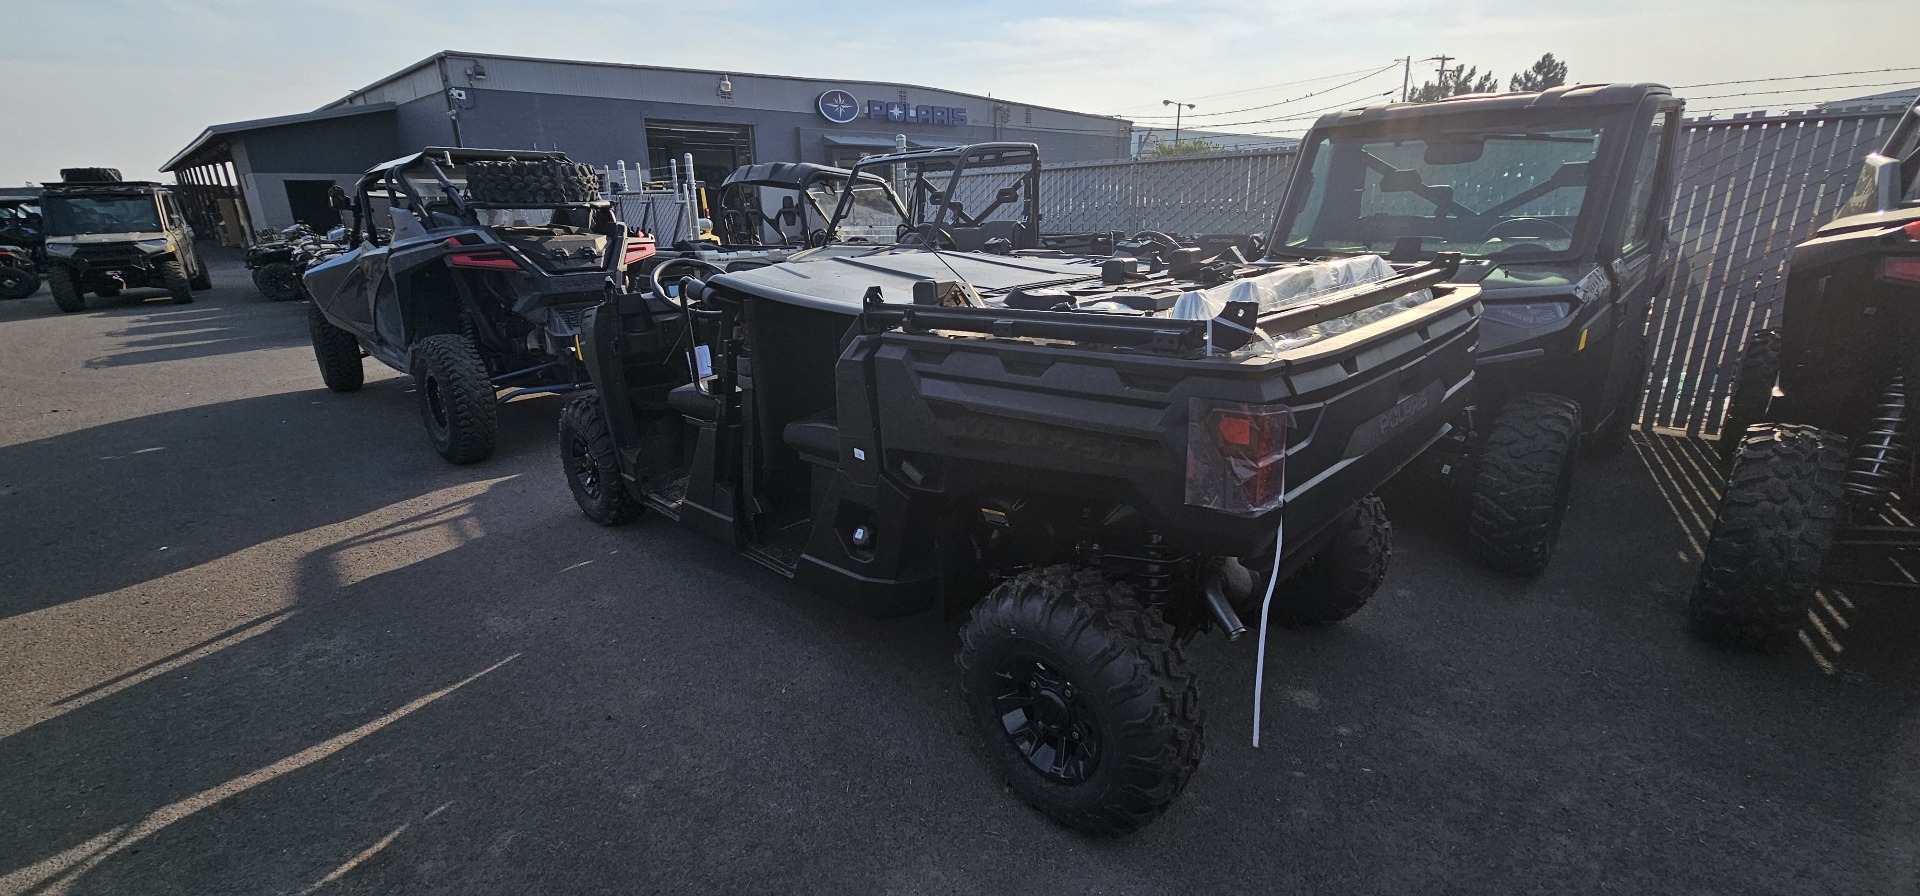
(257, 124)
(447, 54)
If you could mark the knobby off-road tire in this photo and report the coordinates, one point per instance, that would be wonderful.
(17, 283)
(66, 292)
(456, 398)
(531, 182)
(1343, 574)
(1610, 438)
(173, 276)
(202, 278)
(337, 352)
(278, 281)
(587, 458)
(1082, 697)
(1752, 389)
(1784, 504)
(1525, 476)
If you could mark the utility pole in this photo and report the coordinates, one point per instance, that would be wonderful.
(1406, 78)
(1176, 116)
(1443, 60)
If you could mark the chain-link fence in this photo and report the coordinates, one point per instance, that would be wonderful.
(1747, 190)
(1218, 193)
(658, 212)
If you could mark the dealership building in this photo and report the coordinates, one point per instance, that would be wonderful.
(272, 172)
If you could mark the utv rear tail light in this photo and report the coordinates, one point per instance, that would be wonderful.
(1236, 456)
(1901, 270)
(486, 259)
(1912, 230)
(639, 249)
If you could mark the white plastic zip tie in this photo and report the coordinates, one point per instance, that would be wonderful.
(1266, 606)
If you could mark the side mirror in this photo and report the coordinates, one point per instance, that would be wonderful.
(338, 199)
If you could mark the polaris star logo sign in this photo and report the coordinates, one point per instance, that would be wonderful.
(839, 106)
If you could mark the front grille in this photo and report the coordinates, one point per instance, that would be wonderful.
(110, 256)
(572, 314)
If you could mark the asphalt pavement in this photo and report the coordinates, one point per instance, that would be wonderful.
(256, 637)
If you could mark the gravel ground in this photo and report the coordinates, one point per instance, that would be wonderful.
(256, 637)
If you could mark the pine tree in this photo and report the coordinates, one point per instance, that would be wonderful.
(1461, 80)
(1546, 72)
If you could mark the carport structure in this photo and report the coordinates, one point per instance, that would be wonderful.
(246, 176)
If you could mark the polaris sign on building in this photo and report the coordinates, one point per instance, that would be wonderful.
(840, 107)
(604, 114)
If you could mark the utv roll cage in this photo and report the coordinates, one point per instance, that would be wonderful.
(393, 176)
(936, 213)
(796, 177)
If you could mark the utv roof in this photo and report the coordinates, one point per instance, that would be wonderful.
(1578, 96)
(17, 195)
(789, 174)
(975, 153)
(105, 186)
(468, 155)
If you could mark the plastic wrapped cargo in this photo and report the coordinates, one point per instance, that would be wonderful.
(1299, 284)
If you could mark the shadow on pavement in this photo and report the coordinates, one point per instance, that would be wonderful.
(115, 505)
(516, 701)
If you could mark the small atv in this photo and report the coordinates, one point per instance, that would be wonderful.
(1818, 427)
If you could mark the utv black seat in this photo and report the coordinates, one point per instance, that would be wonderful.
(817, 438)
(974, 238)
(695, 401)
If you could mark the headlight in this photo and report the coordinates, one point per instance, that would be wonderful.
(160, 245)
(1527, 314)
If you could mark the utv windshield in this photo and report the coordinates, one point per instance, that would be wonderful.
(873, 216)
(1502, 190)
(77, 215)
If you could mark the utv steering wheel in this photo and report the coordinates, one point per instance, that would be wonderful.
(933, 235)
(1526, 229)
(655, 280)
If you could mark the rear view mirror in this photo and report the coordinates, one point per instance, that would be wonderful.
(338, 199)
(1453, 152)
(1006, 195)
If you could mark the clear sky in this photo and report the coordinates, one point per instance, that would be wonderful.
(126, 84)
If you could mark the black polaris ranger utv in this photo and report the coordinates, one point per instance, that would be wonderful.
(104, 235)
(1109, 451)
(1559, 202)
(477, 289)
(1819, 421)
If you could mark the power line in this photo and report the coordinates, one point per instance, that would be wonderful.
(1296, 99)
(1873, 71)
(1309, 114)
(1215, 96)
(1723, 96)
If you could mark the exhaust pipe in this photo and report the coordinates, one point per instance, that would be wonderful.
(1214, 591)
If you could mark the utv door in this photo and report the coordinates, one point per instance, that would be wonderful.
(1641, 265)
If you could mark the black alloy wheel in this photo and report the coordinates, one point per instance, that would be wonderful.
(1046, 719)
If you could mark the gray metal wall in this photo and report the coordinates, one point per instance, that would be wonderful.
(590, 110)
